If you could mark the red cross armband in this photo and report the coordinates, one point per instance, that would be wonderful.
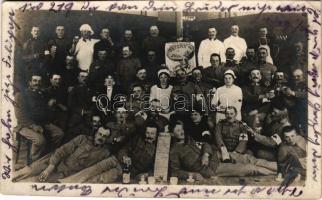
(243, 137)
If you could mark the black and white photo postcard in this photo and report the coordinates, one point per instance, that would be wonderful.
(161, 99)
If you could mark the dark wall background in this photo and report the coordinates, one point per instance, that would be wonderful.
(292, 25)
(116, 22)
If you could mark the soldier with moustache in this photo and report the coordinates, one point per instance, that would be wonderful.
(254, 94)
(138, 152)
(34, 118)
(79, 153)
(232, 138)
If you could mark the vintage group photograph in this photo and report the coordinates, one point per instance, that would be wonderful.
(174, 98)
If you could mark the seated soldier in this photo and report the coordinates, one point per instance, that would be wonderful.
(247, 64)
(186, 158)
(232, 137)
(254, 94)
(198, 79)
(59, 94)
(267, 69)
(81, 152)
(126, 68)
(293, 148)
(70, 73)
(185, 94)
(299, 58)
(211, 122)
(89, 128)
(140, 152)
(152, 66)
(58, 47)
(80, 102)
(152, 113)
(99, 70)
(34, 117)
(214, 73)
(104, 44)
(108, 97)
(142, 79)
(279, 83)
(231, 63)
(136, 99)
(197, 126)
(297, 92)
(128, 39)
(121, 129)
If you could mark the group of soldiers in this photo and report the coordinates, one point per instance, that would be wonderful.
(89, 106)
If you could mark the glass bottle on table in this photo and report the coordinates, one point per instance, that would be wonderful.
(126, 169)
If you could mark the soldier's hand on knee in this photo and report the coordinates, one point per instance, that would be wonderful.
(46, 173)
(52, 102)
(43, 176)
(36, 128)
(205, 159)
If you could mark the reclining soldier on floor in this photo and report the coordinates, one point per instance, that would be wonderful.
(232, 138)
(188, 159)
(292, 152)
(139, 153)
(79, 153)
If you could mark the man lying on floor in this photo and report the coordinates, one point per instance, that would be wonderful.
(292, 152)
(140, 152)
(186, 158)
(232, 138)
(80, 153)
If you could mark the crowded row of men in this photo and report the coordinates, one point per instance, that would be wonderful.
(90, 105)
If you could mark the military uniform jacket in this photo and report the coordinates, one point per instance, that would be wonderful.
(185, 158)
(78, 154)
(141, 153)
(80, 99)
(232, 135)
(251, 97)
(33, 108)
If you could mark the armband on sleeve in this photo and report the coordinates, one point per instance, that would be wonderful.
(243, 137)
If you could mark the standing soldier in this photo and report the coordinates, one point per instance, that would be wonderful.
(155, 43)
(34, 55)
(58, 47)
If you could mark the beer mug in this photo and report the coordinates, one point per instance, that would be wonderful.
(142, 180)
(173, 181)
(75, 39)
(151, 180)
